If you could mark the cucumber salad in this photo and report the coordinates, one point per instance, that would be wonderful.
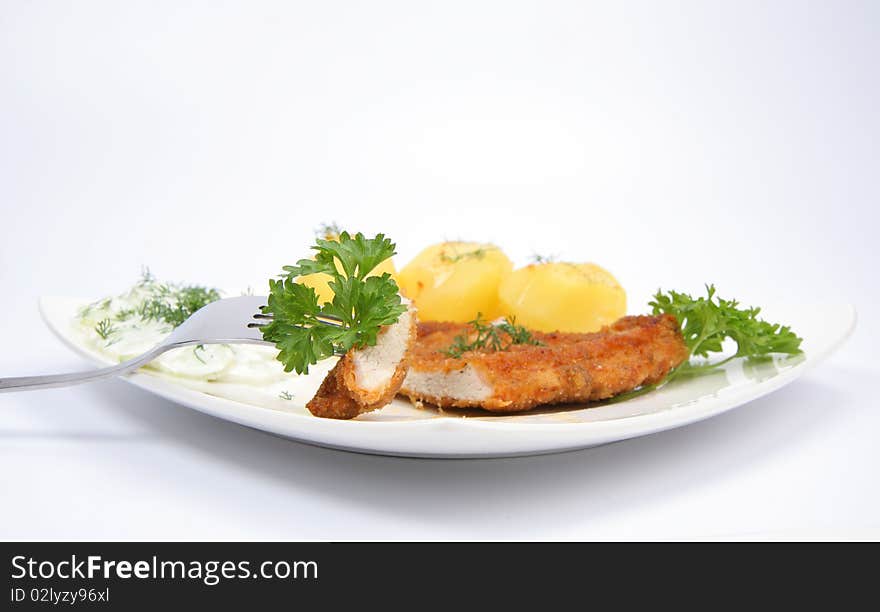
(127, 325)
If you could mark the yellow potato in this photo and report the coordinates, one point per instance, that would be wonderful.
(454, 281)
(562, 297)
(321, 281)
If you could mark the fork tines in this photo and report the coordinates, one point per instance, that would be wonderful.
(265, 319)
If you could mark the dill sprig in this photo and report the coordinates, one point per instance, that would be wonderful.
(538, 258)
(475, 254)
(125, 314)
(174, 305)
(518, 334)
(328, 231)
(148, 300)
(147, 277)
(196, 350)
(285, 395)
(86, 310)
(489, 336)
(104, 328)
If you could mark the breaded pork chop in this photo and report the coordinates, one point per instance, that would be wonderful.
(368, 378)
(568, 367)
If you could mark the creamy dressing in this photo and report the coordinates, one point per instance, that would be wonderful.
(246, 373)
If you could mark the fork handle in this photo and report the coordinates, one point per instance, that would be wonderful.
(27, 383)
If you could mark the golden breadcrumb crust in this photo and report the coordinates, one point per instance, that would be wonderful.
(568, 367)
(340, 397)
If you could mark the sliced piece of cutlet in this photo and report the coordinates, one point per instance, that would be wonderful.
(367, 378)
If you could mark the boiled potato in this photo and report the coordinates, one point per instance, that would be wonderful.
(455, 281)
(562, 297)
(321, 281)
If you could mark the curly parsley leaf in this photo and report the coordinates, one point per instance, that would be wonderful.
(361, 304)
(357, 256)
(706, 322)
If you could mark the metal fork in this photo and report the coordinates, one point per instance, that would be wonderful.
(228, 321)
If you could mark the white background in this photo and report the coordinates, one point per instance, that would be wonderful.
(673, 143)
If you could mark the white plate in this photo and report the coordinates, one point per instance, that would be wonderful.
(402, 430)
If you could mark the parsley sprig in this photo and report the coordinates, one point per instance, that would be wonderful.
(491, 337)
(362, 303)
(706, 322)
